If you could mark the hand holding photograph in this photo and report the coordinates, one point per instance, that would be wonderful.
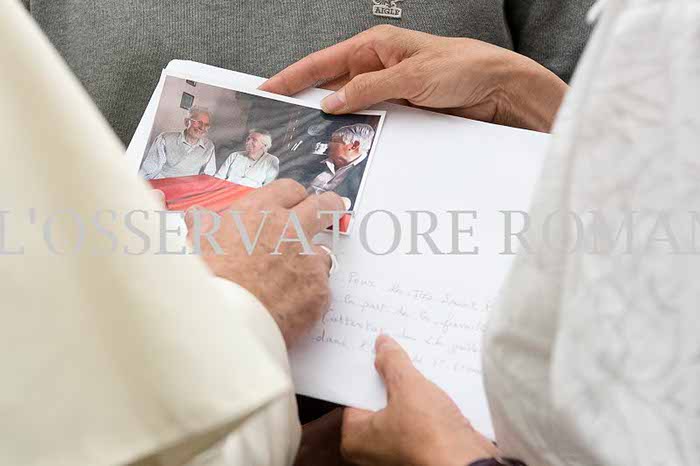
(225, 143)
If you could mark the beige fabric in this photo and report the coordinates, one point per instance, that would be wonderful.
(593, 358)
(106, 358)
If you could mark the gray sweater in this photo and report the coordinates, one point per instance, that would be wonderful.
(117, 48)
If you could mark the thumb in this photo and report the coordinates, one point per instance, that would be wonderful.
(394, 366)
(367, 89)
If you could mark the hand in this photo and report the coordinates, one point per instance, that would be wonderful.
(320, 441)
(292, 286)
(421, 425)
(463, 77)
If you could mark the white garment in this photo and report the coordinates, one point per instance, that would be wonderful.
(110, 359)
(240, 169)
(171, 156)
(594, 359)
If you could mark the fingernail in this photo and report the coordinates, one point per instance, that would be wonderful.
(334, 102)
(347, 202)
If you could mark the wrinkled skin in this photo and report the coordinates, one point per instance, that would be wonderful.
(291, 282)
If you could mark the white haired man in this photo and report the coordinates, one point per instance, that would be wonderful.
(182, 153)
(254, 167)
(342, 171)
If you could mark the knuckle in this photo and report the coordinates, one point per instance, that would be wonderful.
(293, 186)
(332, 200)
(315, 70)
(383, 30)
(282, 81)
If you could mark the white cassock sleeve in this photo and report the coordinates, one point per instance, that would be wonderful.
(114, 351)
(593, 357)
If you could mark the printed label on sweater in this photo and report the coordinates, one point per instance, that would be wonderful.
(386, 8)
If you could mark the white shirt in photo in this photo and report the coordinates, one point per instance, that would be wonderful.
(172, 156)
(240, 169)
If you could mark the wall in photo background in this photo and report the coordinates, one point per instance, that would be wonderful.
(229, 115)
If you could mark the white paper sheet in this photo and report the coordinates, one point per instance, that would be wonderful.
(436, 306)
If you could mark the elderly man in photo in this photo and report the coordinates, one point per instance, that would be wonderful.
(342, 171)
(254, 167)
(182, 153)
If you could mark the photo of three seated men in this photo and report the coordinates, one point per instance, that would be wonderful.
(211, 145)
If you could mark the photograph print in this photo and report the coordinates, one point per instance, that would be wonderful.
(211, 145)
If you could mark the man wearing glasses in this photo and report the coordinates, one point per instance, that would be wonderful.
(182, 153)
(342, 171)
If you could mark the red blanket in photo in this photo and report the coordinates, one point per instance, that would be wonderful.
(204, 191)
(209, 193)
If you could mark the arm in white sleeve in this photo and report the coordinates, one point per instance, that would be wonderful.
(210, 167)
(223, 169)
(592, 357)
(270, 435)
(155, 159)
(111, 358)
(273, 171)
